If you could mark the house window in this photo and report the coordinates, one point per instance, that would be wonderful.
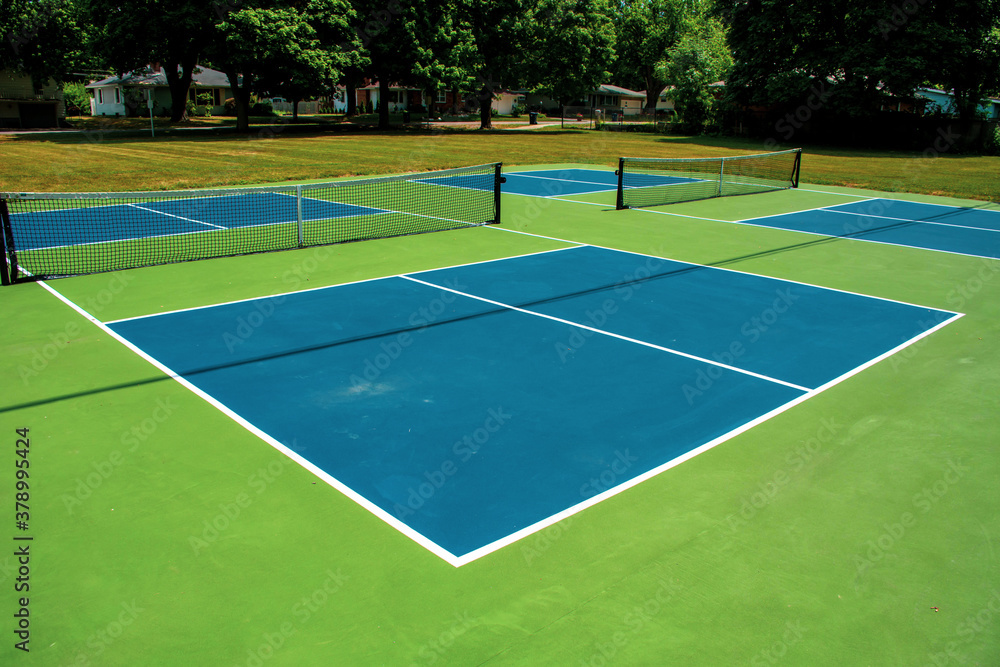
(118, 96)
(218, 96)
(442, 96)
(100, 96)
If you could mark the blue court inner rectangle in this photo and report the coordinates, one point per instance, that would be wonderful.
(473, 404)
(967, 231)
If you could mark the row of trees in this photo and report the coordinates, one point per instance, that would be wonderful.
(296, 48)
(856, 53)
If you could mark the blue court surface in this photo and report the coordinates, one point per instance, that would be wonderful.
(116, 222)
(471, 406)
(967, 231)
(558, 182)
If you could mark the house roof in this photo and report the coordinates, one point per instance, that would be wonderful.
(608, 89)
(392, 86)
(203, 76)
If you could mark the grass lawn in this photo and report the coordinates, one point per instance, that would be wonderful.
(98, 160)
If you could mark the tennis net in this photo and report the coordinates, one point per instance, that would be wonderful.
(48, 235)
(655, 181)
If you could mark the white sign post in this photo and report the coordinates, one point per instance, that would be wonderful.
(149, 103)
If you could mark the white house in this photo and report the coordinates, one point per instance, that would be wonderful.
(22, 105)
(127, 95)
(608, 96)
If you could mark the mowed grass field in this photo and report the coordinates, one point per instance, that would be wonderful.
(858, 528)
(99, 160)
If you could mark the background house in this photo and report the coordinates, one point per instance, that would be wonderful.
(615, 97)
(400, 97)
(22, 105)
(940, 101)
(605, 96)
(126, 95)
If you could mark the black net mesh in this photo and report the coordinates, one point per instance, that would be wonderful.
(60, 234)
(652, 182)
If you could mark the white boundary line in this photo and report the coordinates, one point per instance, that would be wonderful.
(639, 479)
(417, 537)
(608, 333)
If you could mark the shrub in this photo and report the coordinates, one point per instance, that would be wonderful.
(262, 109)
(76, 98)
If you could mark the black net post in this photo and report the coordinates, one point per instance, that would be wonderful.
(798, 166)
(9, 273)
(498, 179)
(620, 204)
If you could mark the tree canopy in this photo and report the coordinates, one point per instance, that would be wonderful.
(847, 56)
(42, 39)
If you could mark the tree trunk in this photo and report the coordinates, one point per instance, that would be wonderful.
(486, 108)
(654, 87)
(180, 84)
(454, 100)
(383, 102)
(241, 95)
(295, 109)
(352, 97)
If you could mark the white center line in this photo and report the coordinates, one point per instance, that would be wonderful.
(613, 335)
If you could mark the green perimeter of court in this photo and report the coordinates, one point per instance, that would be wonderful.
(856, 528)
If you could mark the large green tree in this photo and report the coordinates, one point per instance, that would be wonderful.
(575, 40)
(501, 49)
(646, 30)
(42, 39)
(393, 37)
(261, 42)
(700, 58)
(848, 56)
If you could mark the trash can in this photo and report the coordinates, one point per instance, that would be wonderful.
(532, 118)
(406, 116)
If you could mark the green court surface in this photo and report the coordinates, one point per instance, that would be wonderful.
(858, 527)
